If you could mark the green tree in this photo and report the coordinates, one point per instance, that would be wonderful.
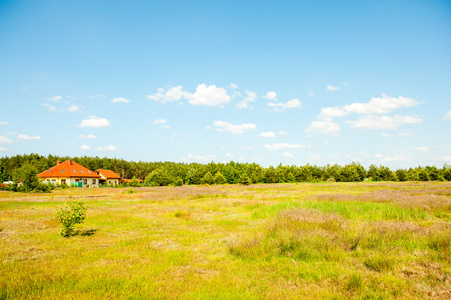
(178, 181)
(219, 178)
(27, 174)
(244, 179)
(207, 179)
(423, 175)
(157, 178)
(290, 177)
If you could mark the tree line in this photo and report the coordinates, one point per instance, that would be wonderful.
(170, 173)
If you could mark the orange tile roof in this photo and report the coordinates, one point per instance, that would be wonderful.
(108, 174)
(68, 169)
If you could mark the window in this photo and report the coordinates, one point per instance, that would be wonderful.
(74, 171)
(63, 181)
(93, 181)
(63, 171)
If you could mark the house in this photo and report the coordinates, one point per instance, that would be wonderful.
(70, 173)
(108, 177)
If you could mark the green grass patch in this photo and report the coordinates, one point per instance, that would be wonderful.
(368, 210)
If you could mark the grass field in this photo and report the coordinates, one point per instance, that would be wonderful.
(282, 241)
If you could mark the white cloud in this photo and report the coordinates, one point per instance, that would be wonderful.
(272, 96)
(406, 134)
(246, 148)
(85, 147)
(233, 86)
(159, 121)
(422, 149)
(268, 134)
(3, 149)
(89, 136)
(446, 158)
(280, 107)
(387, 135)
(26, 137)
(383, 122)
(120, 100)
(310, 93)
(224, 126)
(95, 122)
(55, 98)
(283, 133)
(383, 105)
(394, 158)
(346, 84)
(73, 107)
(209, 96)
(3, 123)
(229, 155)
(328, 113)
(175, 93)
(282, 146)
(51, 107)
(287, 154)
(332, 88)
(251, 97)
(315, 157)
(448, 115)
(107, 148)
(5, 140)
(324, 127)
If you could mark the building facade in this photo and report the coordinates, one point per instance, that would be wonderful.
(70, 173)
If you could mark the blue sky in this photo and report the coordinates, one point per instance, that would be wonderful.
(291, 82)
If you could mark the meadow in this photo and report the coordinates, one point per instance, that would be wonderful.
(369, 240)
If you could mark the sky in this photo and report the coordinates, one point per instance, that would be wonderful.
(270, 82)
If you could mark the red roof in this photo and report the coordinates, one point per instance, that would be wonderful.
(108, 174)
(68, 169)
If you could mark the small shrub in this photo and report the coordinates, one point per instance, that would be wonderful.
(71, 214)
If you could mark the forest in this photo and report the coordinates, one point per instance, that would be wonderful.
(170, 173)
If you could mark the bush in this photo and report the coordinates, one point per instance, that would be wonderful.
(71, 214)
(44, 187)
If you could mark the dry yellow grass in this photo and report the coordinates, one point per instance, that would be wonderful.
(279, 241)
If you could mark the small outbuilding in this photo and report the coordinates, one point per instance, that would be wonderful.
(108, 177)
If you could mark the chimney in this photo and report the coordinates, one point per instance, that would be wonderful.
(58, 162)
